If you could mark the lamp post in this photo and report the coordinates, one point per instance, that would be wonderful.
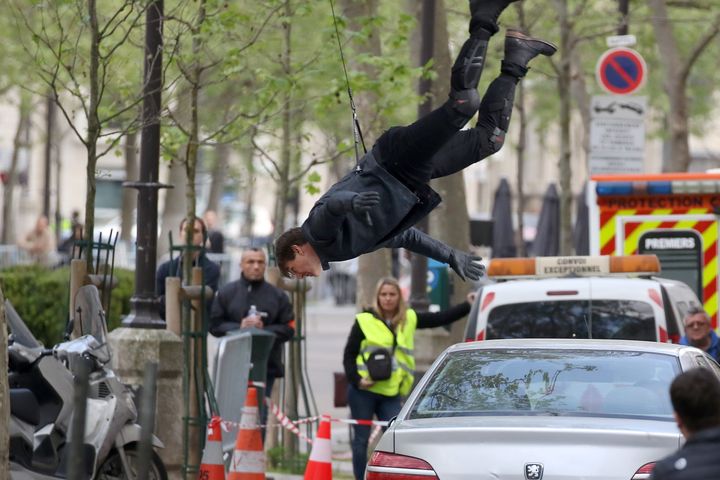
(144, 312)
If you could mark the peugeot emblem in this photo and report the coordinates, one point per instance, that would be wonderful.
(533, 471)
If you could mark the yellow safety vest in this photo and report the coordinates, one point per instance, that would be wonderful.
(378, 335)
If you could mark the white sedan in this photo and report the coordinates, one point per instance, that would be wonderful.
(533, 409)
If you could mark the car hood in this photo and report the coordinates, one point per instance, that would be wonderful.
(567, 447)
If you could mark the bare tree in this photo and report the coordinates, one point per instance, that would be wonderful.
(677, 66)
(201, 65)
(76, 51)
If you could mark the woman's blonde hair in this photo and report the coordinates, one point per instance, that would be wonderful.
(398, 320)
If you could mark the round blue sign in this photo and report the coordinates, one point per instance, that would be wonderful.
(621, 70)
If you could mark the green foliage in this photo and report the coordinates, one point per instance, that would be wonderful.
(280, 461)
(311, 183)
(40, 297)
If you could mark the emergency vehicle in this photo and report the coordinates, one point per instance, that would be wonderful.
(610, 297)
(674, 216)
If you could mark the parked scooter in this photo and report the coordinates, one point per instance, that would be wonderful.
(41, 401)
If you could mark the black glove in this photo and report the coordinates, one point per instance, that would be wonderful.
(342, 202)
(365, 201)
(465, 265)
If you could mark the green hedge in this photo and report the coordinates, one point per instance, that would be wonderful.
(40, 297)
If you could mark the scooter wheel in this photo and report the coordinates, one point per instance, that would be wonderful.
(112, 469)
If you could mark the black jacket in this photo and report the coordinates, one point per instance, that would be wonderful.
(698, 458)
(232, 304)
(173, 268)
(348, 235)
(424, 320)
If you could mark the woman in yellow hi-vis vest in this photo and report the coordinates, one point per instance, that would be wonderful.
(390, 324)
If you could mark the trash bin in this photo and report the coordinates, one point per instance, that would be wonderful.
(438, 285)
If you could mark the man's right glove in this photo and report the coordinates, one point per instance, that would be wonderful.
(363, 202)
(354, 202)
(465, 265)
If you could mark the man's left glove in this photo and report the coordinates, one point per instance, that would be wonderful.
(465, 265)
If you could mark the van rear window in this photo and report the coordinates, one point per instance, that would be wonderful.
(620, 319)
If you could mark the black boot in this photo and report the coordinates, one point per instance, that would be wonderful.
(520, 49)
(485, 13)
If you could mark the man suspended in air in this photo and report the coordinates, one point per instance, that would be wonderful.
(376, 205)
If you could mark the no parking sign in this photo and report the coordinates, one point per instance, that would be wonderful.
(621, 71)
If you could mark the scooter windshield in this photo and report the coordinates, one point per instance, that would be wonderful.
(89, 312)
(20, 332)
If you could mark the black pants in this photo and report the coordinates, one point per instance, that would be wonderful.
(432, 147)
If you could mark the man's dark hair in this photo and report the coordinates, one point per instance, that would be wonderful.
(197, 219)
(283, 247)
(695, 397)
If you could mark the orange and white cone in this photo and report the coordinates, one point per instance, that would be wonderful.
(211, 467)
(248, 460)
(319, 466)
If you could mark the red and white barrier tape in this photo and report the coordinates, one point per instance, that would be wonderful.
(285, 421)
(291, 425)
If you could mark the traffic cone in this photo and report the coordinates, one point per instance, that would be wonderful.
(211, 467)
(319, 465)
(248, 460)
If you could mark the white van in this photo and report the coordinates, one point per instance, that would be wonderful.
(580, 297)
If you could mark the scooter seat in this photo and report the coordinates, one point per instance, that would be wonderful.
(24, 405)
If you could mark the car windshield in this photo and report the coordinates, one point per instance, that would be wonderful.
(604, 319)
(549, 382)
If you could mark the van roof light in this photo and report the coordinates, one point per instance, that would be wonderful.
(573, 265)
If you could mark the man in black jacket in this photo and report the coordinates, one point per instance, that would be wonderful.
(695, 397)
(376, 205)
(174, 268)
(232, 305)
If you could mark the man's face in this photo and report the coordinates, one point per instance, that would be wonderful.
(305, 264)
(697, 327)
(252, 265)
(197, 237)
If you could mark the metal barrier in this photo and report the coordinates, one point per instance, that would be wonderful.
(229, 365)
(11, 255)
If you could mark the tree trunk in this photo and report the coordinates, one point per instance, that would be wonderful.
(4, 395)
(283, 186)
(93, 132)
(674, 84)
(373, 266)
(129, 196)
(248, 192)
(219, 174)
(8, 234)
(582, 100)
(450, 222)
(521, 115)
(174, 209)
(564, 166)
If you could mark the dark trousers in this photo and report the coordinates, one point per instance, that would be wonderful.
(432, 147)
(363, 405)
